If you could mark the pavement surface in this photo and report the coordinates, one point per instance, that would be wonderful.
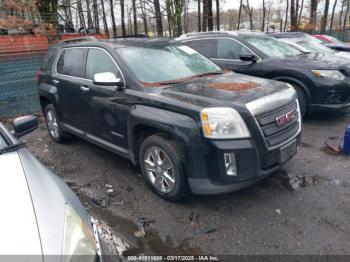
(304, 209)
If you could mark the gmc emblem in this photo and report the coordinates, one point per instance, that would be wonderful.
(284, 119)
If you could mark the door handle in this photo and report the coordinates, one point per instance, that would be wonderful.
(84, 89)
(56, 82)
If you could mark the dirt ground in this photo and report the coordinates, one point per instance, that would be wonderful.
(305, 209)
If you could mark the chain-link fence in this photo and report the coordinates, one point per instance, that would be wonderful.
(18, 91)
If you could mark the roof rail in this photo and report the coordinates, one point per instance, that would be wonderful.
(132, 36)
(78, 39)
(206, 33)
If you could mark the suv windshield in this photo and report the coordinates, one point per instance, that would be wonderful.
(166, 63)
(272, 47)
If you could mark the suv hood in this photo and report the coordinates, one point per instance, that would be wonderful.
(20, 235)
(230, 88)
(322, 61)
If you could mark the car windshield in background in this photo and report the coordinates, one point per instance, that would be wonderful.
(3, 143)
(311, 46)
(335, 40)
(166, 63)
(272, 47)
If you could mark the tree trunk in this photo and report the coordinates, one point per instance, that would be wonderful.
(341, 15)
(210, 16)
(122, 17)
(300, 12)
(114, 25)
(89, 17)
(199, 16)
(144, 17)
(205, 16)
(345, 18)
(158, 16)
(218, 15)
(81, 14)
(324, 17)
(313, 10)
(134, 11)
(332, 17)
(239, 14)
(294, 15)
(286, 18)
(263, 18)
(96, 16)
(104, 18)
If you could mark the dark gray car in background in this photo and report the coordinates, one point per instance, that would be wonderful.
(41, 218)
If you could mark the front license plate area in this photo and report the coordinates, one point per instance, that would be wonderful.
(287, 152)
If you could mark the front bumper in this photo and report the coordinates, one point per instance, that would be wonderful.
(251, 165)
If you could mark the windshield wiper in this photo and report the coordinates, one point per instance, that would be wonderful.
(210, 73)
(12, 148)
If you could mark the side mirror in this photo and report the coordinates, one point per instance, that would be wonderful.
(248, 57)
(24, 125)
(107, 79)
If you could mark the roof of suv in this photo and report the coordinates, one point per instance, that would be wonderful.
(236, 33)
(116, 43)
(287, 34)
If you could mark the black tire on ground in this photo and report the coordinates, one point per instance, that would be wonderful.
(174, 152)
(303, 100)
(61, 136)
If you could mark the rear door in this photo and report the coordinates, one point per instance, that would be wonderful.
(109, 109)
(73, 102)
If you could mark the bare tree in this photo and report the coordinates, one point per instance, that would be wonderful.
(104, 18)
(205, 16)
(122, 17)
(286, 18)
(300, 12)
(81, 14)
(294, 15)
(346, 16)
(96, 17)
(249, 11)
(134, 11)
(210, 15)
(199, 15)
(263, 18)
(144, 16)
(158, 16)
(332, 17)
(218, 15)
(239, 14)
(313, 11)
(88, 11)
(114, 25)
(324, 17)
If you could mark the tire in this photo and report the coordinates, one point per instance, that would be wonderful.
(159, 180)
(53, 125)
(303, 100)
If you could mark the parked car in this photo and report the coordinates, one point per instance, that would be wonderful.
(322, 82)
(40, 215)
(188, 124)
(309, 44)
(333, 43)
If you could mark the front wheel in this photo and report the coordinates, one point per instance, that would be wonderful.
(303, 100)
(161, 162)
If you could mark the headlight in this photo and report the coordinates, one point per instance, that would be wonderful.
(334, 74)
(223, 122)
(79, 243)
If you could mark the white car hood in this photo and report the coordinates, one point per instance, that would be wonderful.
(19, 230)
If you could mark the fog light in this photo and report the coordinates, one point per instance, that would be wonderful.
(230, 164)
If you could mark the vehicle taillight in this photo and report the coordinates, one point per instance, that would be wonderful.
(37, 74)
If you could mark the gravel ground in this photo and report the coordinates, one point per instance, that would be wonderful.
(305, 209)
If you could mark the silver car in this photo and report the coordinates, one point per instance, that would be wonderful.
(41, 218)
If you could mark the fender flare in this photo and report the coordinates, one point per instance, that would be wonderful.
(292, 80)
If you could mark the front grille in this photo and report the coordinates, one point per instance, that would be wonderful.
(275, 135)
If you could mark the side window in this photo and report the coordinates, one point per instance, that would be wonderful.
(230, 49)
(98, 61)
(71, 62)
(206, 47)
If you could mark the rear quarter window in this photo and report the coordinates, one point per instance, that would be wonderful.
(206, 47)
(71, 61)
(49, 59)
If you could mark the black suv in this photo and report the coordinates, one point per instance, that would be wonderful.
(189, 125)
(322, 82)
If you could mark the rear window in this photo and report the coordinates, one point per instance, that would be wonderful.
(206, 47)
(71, 62)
